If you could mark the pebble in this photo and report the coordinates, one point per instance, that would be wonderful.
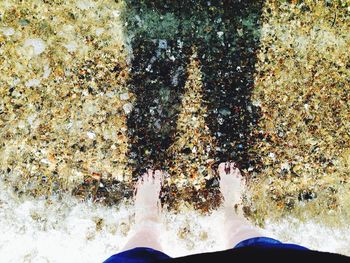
(31, 119)
(71, 46)
(225, 112)
(46, 161)
(8, 31)
(285, 166)
(32, 83)
(124, 96)
(91, 135)
(37, 44)
(116, 13)
(163, 44)
(127, 108)
(272, 156)
(99, 31)
(84, 4)
(47, 71)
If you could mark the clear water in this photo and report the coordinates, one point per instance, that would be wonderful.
(68, 231)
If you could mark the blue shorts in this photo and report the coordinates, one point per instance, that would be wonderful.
(148, 255)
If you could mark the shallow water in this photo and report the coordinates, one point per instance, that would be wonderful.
(67, 230)
(91, 94)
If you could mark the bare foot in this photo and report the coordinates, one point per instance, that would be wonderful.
(147, 202)
(236, 227)
(231, 183)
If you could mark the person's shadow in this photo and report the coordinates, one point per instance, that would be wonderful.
(161, 34)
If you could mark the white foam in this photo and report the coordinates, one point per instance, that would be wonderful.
(35, 230)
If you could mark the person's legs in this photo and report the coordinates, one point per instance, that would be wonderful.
(237, 228)
(147, 216)
(144, 246)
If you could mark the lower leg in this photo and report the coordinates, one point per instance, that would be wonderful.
(146, 237)
(147, 218)
(237, 228)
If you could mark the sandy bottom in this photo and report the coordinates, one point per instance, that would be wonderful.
(67, 230)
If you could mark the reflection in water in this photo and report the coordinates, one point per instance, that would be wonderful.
(163, 36)
(226, 36)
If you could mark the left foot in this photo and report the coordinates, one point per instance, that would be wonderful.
(147, 202)
(231, 183)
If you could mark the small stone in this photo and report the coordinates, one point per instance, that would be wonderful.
(285, 166)
(31, 119)
(16, 81)
(47, 71)
(157, 125)
(24, 22)
(124, 227)
(127, 108)
(91, 135)
(180, 43)
(32, 83)
(84, 4)
(225, 112)
(69, 124)
(99, 31)
(46, 161)
(71, 46)
(116, 13)
(37, 44)
(164, 94)
(203, 235)
(163, 44)
(90, 107)
(21, 124)
(8, 31)
(124, 96)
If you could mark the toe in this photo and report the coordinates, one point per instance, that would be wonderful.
(142, 179)
(221, 168)
(228, 169)
(234, 170)
(158, 176)
(150, 175)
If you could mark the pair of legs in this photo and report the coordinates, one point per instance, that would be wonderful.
(147, 205)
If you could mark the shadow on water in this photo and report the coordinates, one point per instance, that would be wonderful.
(226, 35)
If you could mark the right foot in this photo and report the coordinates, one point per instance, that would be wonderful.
(236, 227)
(231, 183)
(147, 202)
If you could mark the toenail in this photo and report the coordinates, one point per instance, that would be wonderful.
(227, 168)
